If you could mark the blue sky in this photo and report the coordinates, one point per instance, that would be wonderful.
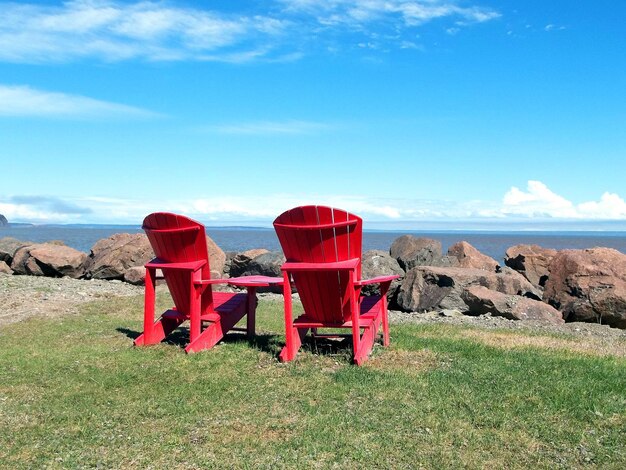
(410, 113)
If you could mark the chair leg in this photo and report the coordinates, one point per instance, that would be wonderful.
(383, 307)
(251, 312)
(153, 333)
(214, 332)
(366, 341)
(288, 353)
(159, 331)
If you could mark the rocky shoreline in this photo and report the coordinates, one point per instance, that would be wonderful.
(533, 284)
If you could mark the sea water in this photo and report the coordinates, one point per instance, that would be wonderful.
(492, 243)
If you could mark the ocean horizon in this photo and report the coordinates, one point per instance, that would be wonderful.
(492, 242)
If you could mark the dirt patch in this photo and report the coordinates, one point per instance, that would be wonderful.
(592, 346)
(409, 362)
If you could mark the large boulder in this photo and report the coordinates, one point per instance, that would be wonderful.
(240, 261)
(411, 251)
(480, 301)
(217, 258)
(428, 288)
(532, 261)
(470, 257)
(111, 257)
(8, 247)
(589, 285)
(3, 221)
(48, 259)
(265, 264)
(379, 263)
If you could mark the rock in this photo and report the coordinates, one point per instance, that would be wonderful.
(532, 261)
(46, 259)
(480, 301)
(111, 257)
(217, 258)
(135, 275)
(470, 257)
(266, 264)
(8, 247)
(589, 285)
(240, 261)
(379, 263)
(411, 251)
(3, 221)
(428, 288)
(4, 268)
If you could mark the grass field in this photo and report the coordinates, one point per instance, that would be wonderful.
(74, 393)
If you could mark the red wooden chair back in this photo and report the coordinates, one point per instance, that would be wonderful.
(321, 234)
(179, 239)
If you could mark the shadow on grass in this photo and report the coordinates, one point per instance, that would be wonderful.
(265, 342)
(268, 343)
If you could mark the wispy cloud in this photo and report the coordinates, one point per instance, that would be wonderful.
(357, 13)
(110, 30)
(269, 128)
(536, 203)
(27, 101)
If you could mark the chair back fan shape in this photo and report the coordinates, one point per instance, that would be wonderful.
(320, 234)
(179, 239)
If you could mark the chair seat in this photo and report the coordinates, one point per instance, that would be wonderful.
(370, 309)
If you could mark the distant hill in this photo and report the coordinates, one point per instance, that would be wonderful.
(3, 221)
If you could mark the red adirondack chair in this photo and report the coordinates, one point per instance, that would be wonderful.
(323, 250)
(181, 254)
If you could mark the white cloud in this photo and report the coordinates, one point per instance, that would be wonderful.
(539, 201)
(610, 207)
(112, 30)
(27, 101)
(293, 127)
(536, 203)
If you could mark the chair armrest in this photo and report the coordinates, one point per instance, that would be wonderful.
(255, 281)
(207, 282)
(156, 263)
(376, 280)
(348, 265)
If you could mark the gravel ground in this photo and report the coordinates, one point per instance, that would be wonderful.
(489, 322)
(28, 296)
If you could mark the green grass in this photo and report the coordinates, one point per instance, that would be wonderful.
(74, 393)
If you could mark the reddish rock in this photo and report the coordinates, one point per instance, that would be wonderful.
(8, 247)
(45, 259)
(111, 257)
(532, 261)
(427, 288)
(589, 285)
(217, 258)
(470, 257)
(4, 268)
(480, 300)
(135, 275)
(411, 251)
